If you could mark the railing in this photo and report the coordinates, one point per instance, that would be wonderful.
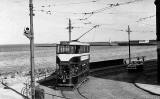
(25, 97)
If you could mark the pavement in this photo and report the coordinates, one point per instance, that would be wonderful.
(94, 88)
(17, 84)
(152, 89)
(50, 93)
(10, 94)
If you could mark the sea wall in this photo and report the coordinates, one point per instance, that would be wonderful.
(100, 64)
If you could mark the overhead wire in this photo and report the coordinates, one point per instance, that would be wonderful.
(77, 3)
(111, 5)
(145, 18)
(123, 30)
(87, 15)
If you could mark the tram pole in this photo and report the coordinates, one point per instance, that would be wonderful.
(129, 31)
(70, 27)
(157, 3)
(32, 50)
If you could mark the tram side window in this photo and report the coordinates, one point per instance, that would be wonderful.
(57, 49)
(77, 50)
(84, 49)
(66, 50)
(88, 49)
(72, 49)
(81, 49)
(63, 49)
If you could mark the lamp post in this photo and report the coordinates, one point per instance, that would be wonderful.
(129, 44)
(157, 3)
(29, 33)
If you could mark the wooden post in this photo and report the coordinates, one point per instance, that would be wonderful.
(157, 3)
(32, 50)
(129, 31)
(70, 28)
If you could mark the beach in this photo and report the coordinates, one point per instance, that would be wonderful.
(15, 58)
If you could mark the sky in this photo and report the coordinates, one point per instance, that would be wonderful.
(51, 20)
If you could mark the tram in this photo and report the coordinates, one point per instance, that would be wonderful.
(72, 63)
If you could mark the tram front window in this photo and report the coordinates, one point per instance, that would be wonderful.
(66, 49)
(75, 49)
(72, 49)
(63, 49)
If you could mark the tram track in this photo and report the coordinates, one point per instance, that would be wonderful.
(83, 96)
(100, 72)
(76, 94)
(149, 69)
(78, 91)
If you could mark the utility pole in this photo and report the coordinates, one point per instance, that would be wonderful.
(129, 31)
(32, 50)
(157, 3)
(70, 28)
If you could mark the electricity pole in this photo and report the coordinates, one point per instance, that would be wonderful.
(32, 50)
(70, 28)
(129, 31)
(157, 3)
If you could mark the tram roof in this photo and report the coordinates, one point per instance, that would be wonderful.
(73, 43)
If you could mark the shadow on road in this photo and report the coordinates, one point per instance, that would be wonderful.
(148, 76)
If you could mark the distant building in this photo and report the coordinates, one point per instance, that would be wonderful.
(99, 43)
(153, 42)
(124, 43)
(143, 41)
(138, 42)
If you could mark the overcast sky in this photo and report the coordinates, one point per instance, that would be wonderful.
(51, 19)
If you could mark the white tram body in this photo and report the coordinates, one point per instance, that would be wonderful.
(72, 60)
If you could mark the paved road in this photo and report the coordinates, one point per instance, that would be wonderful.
(98, 88)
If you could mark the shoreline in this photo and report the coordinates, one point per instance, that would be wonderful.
(21, 68)
(12, 71)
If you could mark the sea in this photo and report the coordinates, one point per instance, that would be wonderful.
(17, 57)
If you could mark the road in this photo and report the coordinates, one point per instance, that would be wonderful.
(98, 88)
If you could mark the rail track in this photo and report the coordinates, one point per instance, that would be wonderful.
(76, 94)
(149, 69)
(78, 91)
